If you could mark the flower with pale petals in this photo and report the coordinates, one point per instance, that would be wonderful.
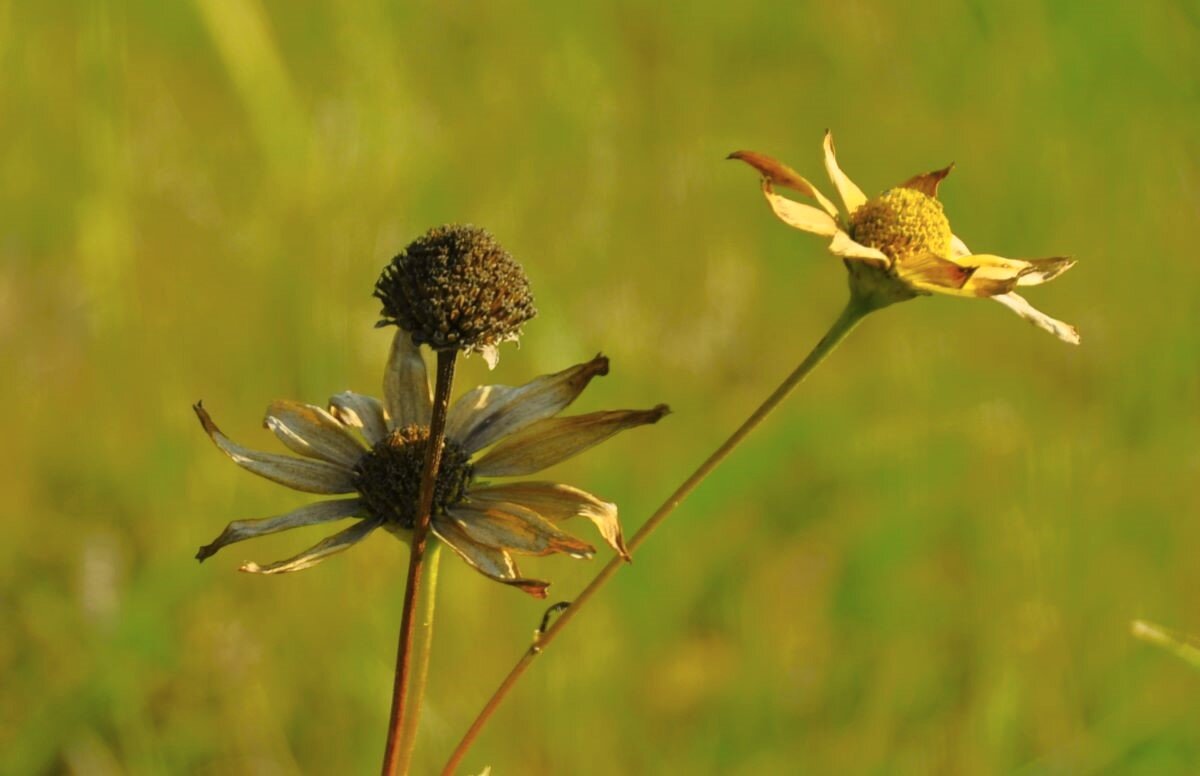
(900, 243)
(376, 451)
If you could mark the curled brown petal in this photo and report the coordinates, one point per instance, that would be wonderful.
(313, 432)
(495, 564)
(513, 527)
(558, 502)
(309, 514)
(297, 473)
(489, 412)
(780, 174)
(339, 542)
(553, 440)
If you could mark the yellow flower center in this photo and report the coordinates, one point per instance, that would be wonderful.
(902, 222)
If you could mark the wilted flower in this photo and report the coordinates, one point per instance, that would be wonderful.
(486, 524)
(900, 242)
(456, 288)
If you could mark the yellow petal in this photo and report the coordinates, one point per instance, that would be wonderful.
(842, 245)
(803, 217)
(935, 275)
(852, 196)
(1007, 273)
(779, 173)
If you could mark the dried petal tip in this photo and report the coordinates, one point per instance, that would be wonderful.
(456, 288)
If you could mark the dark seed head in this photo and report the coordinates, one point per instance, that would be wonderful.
(389, 477)
(455, 288)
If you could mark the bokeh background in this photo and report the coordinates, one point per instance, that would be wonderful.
(926, 562)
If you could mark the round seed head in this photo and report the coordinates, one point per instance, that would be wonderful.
(456, 288)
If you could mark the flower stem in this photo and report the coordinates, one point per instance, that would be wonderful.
(856, 309)
(402, 729)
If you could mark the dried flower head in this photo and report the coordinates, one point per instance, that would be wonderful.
(899, 244)
(456, 288)
(485, 523)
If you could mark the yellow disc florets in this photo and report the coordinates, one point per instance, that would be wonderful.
(902, 222)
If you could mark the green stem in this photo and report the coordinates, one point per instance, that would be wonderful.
(398, 752)
(856, 309)
(423, 618)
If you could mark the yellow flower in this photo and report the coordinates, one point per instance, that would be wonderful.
(376, 451)
(904, 237)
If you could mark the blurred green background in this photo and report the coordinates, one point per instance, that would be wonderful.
(926, 562)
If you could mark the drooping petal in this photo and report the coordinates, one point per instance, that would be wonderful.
(297, 473)
(1064, 331)
(515, 528)
(309, 514)
(552, 440)
(406, 384)
(958, 247)
(340, 541)
(489, 412)
(362, 412)
(557, 502)
(843, 245)
(492, 563)
(775, 171)
(852, 196)
(927, 182)
(313, 433)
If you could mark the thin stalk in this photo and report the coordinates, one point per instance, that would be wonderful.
(401, 730)
(855, 310)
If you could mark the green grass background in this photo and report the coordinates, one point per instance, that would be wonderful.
(926, 562)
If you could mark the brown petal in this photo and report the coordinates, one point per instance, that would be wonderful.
(489, 412)
(313, 433)
(492, 563)
(296, 473)
(517, 529)
(309, 514)
(553, 440)
(362, 412)
(780, 174)
(557, 502)
(339, 542)
(927, 182)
